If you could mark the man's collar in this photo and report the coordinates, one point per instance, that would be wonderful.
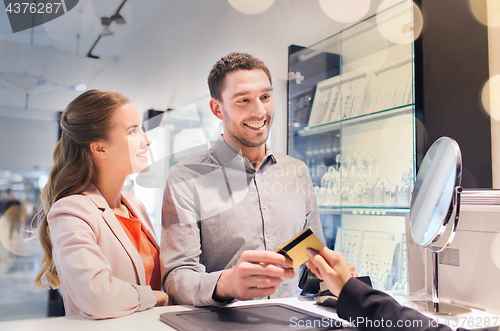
(225, 154)
(269, 154)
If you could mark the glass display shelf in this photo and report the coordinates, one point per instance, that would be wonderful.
(308, 131)
(369, 211)
(351, 119)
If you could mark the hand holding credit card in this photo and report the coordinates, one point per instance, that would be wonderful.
(296, 247)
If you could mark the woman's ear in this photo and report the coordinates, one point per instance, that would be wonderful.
(216, 108)
(98, 150)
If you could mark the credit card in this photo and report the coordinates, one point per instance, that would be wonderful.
(296, 248)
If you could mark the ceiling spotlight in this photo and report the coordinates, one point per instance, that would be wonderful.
(105, 22)
(118, 18)
(106, 31)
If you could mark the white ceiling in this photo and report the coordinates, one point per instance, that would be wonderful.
(160, 59)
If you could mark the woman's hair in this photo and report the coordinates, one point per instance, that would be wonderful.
(86, 119)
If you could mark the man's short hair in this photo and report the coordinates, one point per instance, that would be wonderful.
(232, 62)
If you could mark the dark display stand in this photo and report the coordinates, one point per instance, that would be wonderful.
(451, 68)
(317, 68)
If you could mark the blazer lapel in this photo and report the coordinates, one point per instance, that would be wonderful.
(116, 227)
(145, 221)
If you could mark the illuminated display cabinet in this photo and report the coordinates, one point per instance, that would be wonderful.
(351, 119)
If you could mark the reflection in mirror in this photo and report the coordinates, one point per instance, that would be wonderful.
(432, 197)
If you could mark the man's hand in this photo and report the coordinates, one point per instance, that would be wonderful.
(256, 274)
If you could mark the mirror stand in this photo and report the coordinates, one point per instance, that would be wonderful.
(434, 306)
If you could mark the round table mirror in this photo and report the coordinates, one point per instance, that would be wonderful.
(434, 207)
(433, 203)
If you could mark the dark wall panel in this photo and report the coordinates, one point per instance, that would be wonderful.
(451, 69)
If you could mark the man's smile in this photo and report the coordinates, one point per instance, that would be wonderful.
(256, 125)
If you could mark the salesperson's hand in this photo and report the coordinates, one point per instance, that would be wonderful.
(330, 267)
(256, 274)
(352, 269)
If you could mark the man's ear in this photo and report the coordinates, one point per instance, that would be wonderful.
(98, 149)
(215, 106)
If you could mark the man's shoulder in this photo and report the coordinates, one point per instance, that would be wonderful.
(287, 159)
(202, 157)
(194, 166)
(291, 165)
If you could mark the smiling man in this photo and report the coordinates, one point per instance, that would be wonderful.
(226, 211)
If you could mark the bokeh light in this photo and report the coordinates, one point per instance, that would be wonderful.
(253, 27)
(42, 181)
(345, 11)
(251, 7)
(486, 12)
(396, 24)
(490, 97)
(365, 51)
(81, 87)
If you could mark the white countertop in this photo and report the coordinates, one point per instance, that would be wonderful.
(149, 319)
(145, 320)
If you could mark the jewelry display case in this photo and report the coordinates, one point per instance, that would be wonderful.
(351, 119)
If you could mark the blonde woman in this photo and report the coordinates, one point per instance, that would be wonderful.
(99, 243)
